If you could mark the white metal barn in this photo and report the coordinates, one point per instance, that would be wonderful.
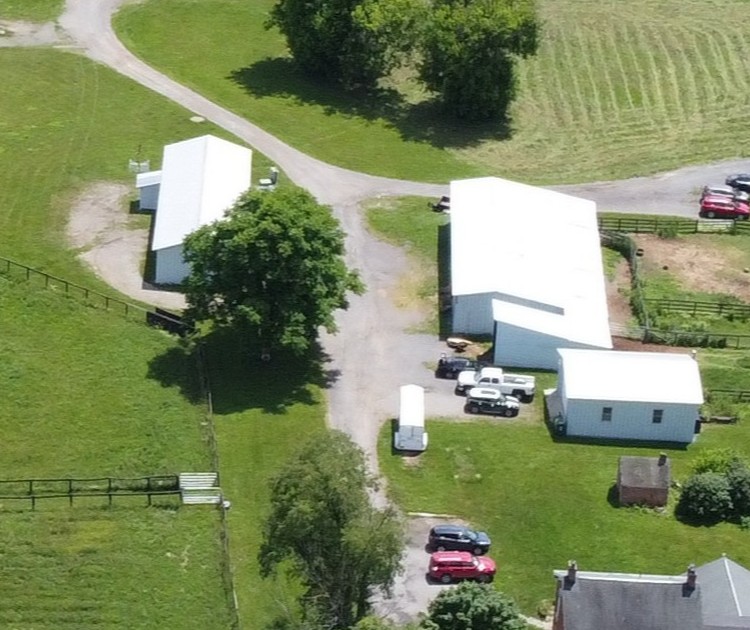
(201, 178)
(148, 189)
(526, 268)
(629, 395)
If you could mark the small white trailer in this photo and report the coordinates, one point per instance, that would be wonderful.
(410, 434)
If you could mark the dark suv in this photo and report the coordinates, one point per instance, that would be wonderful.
(458, 538)
(740, 181)
(449, 367)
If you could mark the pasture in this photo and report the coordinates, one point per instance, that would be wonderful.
(87, 393)
(617, 89)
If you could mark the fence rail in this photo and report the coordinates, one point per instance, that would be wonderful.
(696, 307)
(153, 317)
(652, 225)
(71, 488)
(735, 395)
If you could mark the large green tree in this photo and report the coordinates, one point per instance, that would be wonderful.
(354, 42)
(273, 266)
(342, 548)
(472, 606)
(469, 50)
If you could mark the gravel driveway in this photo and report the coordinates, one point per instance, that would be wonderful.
(372, 354)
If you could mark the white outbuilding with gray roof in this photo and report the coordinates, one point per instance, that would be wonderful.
(648, 396)
(526, 268)
(201, 179)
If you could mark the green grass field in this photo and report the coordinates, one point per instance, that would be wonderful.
(31, 10)
(88, 393)
(617, 89)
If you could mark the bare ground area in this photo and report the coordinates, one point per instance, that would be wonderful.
(697, 265)
(18, 33)
(99, 228)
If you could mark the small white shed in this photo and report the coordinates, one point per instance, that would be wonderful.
(201, 179)
(148, 189)
(646, 396)
(410, 434)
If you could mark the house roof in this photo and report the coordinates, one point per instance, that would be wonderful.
(644, 472)
(147, 179)
(620, 601)
(726, 594)
(201, 178)
(534, 249)
(617, 376)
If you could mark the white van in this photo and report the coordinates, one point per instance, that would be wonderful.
(410, 434)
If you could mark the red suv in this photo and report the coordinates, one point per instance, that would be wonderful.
(447, 566)
(720, 207)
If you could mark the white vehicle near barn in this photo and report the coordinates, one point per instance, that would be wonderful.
(410, 434)
(521, 386)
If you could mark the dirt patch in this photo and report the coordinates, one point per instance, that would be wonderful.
(28, 34)
(98, 226)
(697, 264)
(618, 291)
(633, 345)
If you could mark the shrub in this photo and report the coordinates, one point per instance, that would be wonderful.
(705, 498)
(668, 230)
(738, 477)
(716, 460)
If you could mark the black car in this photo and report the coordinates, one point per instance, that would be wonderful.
(449, 367)
(740, 181)
(458, 538)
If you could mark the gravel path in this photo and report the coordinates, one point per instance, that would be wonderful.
(372, 354)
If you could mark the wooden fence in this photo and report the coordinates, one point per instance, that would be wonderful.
(735, 395)
(71, 488)
(653, 225)
(157, 317)
(694, 307)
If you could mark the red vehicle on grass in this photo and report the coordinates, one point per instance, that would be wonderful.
(451, 566)
(721, 207)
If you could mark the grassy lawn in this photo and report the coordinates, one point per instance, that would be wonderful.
(263, 413)
(31, 10)
(87, 394)
(544, 503)
(617, 89)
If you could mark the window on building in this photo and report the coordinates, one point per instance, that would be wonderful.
(657, 416)
(607, 414)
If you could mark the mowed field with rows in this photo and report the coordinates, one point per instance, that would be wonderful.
(617, 89)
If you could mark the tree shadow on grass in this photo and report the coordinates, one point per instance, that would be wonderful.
(423, 122)
(238, 378)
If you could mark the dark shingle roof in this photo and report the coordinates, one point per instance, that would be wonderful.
(725, 587)
(612, 601)
(644, 472)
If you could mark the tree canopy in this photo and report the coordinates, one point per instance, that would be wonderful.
(468, 52)
(322, 520)
(273, 266)
(473, 606)
(467, 48)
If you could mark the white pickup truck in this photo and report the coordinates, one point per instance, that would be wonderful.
(521, 386)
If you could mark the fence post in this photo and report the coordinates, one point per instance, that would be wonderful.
(70, 492)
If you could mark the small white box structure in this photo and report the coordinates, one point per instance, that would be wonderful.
(410, 435)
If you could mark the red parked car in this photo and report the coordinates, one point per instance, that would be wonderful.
(450, 566)
(720, 207)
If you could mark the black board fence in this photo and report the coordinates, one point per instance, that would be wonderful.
(695, 307)
(672, 225)
(71, 488)
(171, 322)
(733, 395)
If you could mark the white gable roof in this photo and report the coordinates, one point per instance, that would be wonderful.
(201, 178)
(537, 250)
(147, 179)
(658, 377)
